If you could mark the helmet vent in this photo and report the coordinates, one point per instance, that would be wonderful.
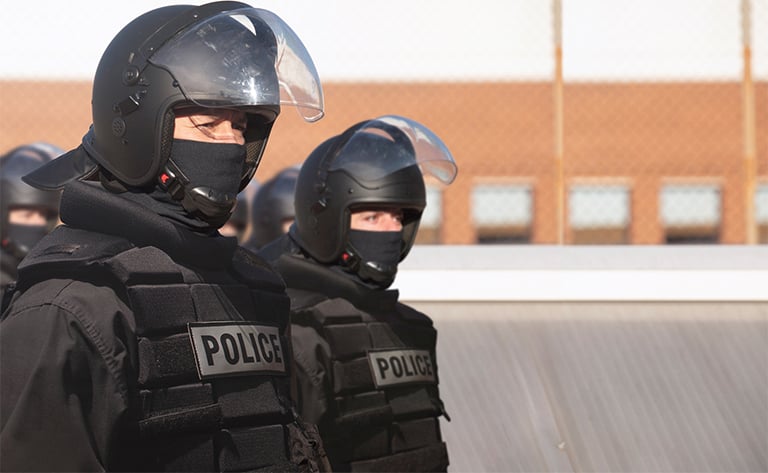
(118, 126)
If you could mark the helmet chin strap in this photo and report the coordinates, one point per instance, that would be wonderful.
(205, 203)
(379, 274)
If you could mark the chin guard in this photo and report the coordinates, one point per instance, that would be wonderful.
(202, 202)
(382, 275)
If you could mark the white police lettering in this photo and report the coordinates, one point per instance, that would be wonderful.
(401, 367)
(233, 348)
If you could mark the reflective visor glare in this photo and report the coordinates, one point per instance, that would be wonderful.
(390, 143)
(246, 57)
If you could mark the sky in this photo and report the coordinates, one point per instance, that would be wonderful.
(353, 40)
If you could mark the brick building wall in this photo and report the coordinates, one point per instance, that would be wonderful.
(641, 135)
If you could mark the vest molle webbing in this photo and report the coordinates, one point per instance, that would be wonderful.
(385, 387)
(238, 422)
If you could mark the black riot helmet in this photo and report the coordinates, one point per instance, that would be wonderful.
(16, 194)
(377, 162)
(272, 206)
(218, 55)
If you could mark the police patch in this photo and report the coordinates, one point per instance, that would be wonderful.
(393, 367)
(235, 348)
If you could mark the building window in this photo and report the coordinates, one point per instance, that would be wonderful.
(430, 227)
(599, 214)
(502, 213)
(761, 212)
(691, 213)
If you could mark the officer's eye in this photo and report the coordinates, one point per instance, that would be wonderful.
(240, 126)
(207, 124)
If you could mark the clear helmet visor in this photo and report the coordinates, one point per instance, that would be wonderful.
(389, 143)
(240, 58)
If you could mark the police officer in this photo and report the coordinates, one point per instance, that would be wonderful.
(139, 338)
(272, 208)
(239, 223)
(26, 214)
(365, 362)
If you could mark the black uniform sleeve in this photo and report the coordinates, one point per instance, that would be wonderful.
(313, 372)
(65, 348)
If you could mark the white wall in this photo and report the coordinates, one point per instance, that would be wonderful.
(584, 273)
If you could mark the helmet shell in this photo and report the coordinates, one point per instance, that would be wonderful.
(272, 205)
(380, 162)
(218, 55)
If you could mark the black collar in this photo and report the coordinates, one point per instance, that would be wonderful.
(88, 206)
(301, 272)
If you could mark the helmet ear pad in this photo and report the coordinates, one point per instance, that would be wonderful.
(167, 128)
(257, 133)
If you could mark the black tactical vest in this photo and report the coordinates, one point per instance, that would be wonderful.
(386, 403)
(212, 391)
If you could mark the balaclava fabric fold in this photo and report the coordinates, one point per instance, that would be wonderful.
(378, 253)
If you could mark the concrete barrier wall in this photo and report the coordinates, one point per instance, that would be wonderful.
(673, 378)
(584, 273)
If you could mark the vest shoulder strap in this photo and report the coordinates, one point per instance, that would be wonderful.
(66, 252)
(302, 299)
(311, 308)
(252, 269)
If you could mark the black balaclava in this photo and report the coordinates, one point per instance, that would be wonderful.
(373, 256)
(215, 169)
(212, 168)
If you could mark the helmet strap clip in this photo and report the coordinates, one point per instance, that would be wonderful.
(172, 180)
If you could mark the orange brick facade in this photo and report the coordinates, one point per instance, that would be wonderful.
(642, 135)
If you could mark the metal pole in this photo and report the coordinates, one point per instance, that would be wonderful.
(558, 103)
(750, 136)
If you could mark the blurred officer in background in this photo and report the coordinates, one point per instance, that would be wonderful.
(272, 208)
(28, 214)
(365, 362)
(138, 338)
(239, 223)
